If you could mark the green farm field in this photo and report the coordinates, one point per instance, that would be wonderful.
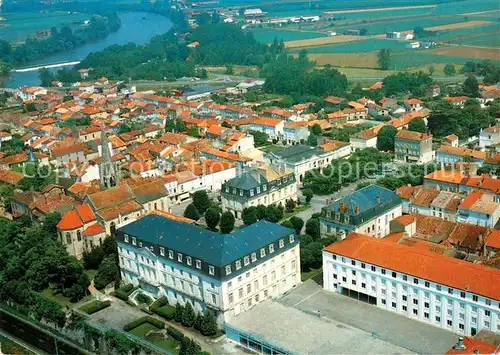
(267, 35)
(16, 27)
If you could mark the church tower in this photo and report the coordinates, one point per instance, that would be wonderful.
(108, 173)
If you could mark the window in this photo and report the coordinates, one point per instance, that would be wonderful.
(282, 243)
(438, 319)
(427, 284)
(344, 279)
(68, 238)
(292, 238)
(249, 289)
(211, 270)
(415, 312)
(374, 268)
(170, 254)
(383, 301)
(462, 294)
(353, 262)
(449, 322)
(231, 298)
(214, 299)
(426, 304)
(238, 264)
(353, 282)
(240, 293)
(383, 271)
(405, 308)
(363, 265)
(246, 261)
(254, 257)
(353, 272)
(450, 291)
(393, 304)
(228, 270)
(394, 274)
(179, 257)
(488, 302)
(363, 285)
(461, 326)
(189, 260)
(438, 287)
(487, 313)
(426, 315)
(262, 252)
(415, 281)
(415, 301)
(162, 251)
(126, 238)
(475, 298)
(271, 248)
(134, 241)
(405, 298)
(198, 264)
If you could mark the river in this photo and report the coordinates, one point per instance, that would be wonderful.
(136, 27)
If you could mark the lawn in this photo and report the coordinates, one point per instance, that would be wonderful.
(19, 25)
(10, 347)
(271, 148)
(169, 344)
(310, 274)
(267, 35)
(63, 301)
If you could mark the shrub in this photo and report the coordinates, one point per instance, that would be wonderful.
(127, 288)
(121, 295)
(160, 302)
(166, 312)
(143, 298)
(146, 319)
(174, 333)
(94, 306)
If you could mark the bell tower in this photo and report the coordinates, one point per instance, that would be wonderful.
(108, 172)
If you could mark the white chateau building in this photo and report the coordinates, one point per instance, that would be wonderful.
(453, 294)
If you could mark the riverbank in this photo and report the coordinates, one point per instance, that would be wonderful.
(136, 27)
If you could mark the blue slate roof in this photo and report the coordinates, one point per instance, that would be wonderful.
(212, 247)
(365, 199)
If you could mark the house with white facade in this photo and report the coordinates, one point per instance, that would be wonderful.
(301, 159)
(263, 185)
(417, 283)
(227, 274)
(413, 147)
(479, 208)
(273, 127)
(368, 210)
(489, 137)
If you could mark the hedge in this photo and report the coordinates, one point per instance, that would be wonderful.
(94, 306)
(174, 333)
(166, 311)
(146, 319)
(121, 295)
(160, 302)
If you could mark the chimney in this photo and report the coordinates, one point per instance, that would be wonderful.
(460, 344)
(356, 210)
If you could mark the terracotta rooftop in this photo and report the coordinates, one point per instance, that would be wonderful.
(462, 152)
(444, 270)
(451, 176)
(474, 347)
(411, 135)
(173, 216)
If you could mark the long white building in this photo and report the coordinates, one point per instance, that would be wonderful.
(442, 291)
(226, 273)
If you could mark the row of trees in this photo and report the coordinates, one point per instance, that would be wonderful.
(360, 164)
(203, 205)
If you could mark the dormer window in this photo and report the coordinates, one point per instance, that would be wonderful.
(281, 243)
(238, 264)
(125, 237)
(254, 257)
(162, 251)
(228, 270)
(292, 238)
(264, 187)
(271, 248)
(134, 241)
(251, 192)
(211, 270)
(246, 260)
(241, 192)
(198, 264)
(262, 252)
(188, 260)
(179, 257)
(171, 254)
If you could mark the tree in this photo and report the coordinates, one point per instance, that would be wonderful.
(290, 205)
(107, 272)
(260, 211)
(417, 125)
(188, 315)
(386, 137)
(297, 224)
(229, 70)
(50, 222)
(194, 132)
(178, 312)
(308, 193)
(312, 140)
(260, 138)
(212, 217)
(449, 69)
(470, 86)
(226, 222)
(46, 77)
(431, 69)
(249, 215)
(201, 200)
(273, 213)
(312, 228)
(316, 129)
(384, 58)
(189, 347)
(191, 212)
(208, 324)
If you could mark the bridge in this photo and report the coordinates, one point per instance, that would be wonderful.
(54, 65)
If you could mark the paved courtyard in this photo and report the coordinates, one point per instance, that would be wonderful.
(404, 332)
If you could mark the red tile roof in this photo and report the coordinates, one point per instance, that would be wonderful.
(69, 221)
(451, 176)
(493, 240)
(411, 135)
(94, 229)
(430, 266)
(474, 346)
(270, 122)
